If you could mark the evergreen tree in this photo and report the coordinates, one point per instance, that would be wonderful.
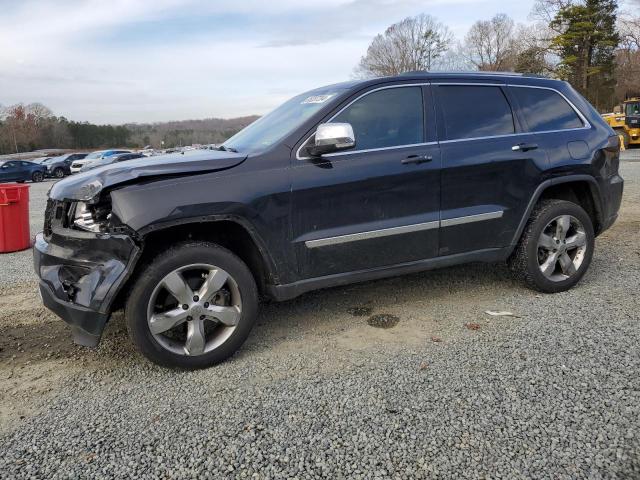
(586, 45)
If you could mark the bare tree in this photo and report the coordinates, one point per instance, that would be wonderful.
(39, 112)
(544, 11)
(629, 27)
(628, 57)
(531, 50)
(415, 43)
(489, 43)
(453, 60)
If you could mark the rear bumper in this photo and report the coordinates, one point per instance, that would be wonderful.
(80, 274)
(613, 198)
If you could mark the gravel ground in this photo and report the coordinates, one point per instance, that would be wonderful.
(319, 392)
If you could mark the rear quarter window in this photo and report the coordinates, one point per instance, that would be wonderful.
(545, 110)
(473, 111)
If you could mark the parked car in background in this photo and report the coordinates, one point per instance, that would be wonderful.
(120, 157)
(21, 171)
(94, 156)
(60, 166)
(39, 160)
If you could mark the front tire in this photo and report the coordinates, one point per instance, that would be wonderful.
(58, 172)
(556, 247)
(37, 177)
(192, 307)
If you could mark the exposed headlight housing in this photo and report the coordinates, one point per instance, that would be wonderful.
(91, 218)
(89, 190)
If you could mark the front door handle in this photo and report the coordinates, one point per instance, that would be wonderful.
(417, 159)
(523, 147)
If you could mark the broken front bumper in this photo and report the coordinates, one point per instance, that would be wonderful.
(80, 275)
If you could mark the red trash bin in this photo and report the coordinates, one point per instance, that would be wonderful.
(14, 217)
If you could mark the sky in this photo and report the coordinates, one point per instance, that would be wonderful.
(122, 61)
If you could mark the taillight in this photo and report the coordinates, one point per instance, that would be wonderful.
(613, 144)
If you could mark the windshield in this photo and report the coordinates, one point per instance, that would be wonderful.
(93, 155)
(267, 130)
(54, 159)
(632, 108)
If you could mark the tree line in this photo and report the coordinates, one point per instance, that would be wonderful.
(585, 42)
(24, 128)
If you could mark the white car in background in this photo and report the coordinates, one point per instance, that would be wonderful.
(94, 156)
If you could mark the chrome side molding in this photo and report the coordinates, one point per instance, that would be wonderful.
(385, 232)
(449, 222)
(416, 227)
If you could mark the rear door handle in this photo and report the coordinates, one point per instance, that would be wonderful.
(417, 159)
(523, 147)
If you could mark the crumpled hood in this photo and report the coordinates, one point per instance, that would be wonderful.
(85, 186)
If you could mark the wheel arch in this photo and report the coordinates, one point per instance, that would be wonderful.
(580, 189)
(230, 232)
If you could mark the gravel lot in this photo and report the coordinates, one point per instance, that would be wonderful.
(448, 392)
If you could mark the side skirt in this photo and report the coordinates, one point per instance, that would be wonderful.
(292, 290)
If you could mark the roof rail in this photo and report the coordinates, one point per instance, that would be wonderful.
(473, 72)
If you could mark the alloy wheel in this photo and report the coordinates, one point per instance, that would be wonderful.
(59, 173)
(561, 248)
(37, 177)
(194, 309)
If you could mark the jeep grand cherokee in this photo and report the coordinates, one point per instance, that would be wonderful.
(346, 183)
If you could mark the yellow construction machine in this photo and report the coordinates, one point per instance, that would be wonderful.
(625, 120)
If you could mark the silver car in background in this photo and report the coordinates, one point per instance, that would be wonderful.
(120, 157)
(93, 157)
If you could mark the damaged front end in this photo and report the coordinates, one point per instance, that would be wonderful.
(85, 253)
(83, 256)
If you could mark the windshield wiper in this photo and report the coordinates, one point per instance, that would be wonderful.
(227, 149)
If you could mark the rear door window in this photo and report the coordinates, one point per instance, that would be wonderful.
(387, 118)
(545, 110)
(472, 111)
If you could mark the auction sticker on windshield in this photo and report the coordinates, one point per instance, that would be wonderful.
(318, 98)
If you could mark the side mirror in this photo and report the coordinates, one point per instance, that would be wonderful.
(332, 137)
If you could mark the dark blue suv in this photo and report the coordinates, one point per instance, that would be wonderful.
(346, 183)
(21, 171)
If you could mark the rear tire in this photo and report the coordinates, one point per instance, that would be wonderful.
(556, 247)
(37, 177)
(58, 172)
(151, 303)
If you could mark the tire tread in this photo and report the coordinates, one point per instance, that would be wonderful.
(519, 260)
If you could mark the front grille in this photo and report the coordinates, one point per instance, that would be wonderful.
(76, 165)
